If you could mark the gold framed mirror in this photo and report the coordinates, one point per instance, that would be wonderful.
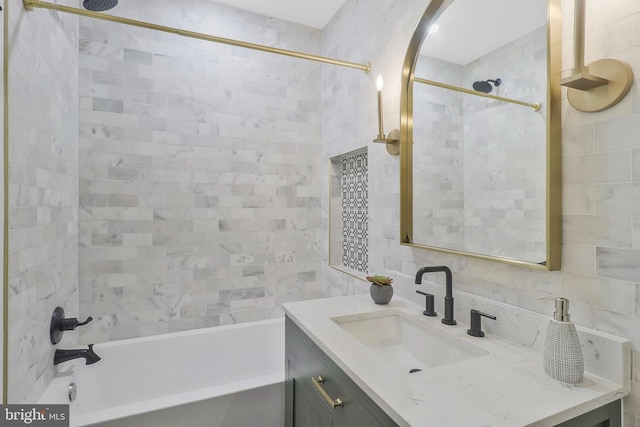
(480, 132)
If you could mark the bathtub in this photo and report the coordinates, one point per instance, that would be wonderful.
(226, 376)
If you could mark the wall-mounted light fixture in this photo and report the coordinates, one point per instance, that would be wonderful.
(601, 84)
(393, 139)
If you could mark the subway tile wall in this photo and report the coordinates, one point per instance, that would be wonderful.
(601, 249)
(479, 164)
(200, 171)
(43, 191)
(505, 152)
(439, 156)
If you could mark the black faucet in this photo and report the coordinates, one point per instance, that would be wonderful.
(65, 355)
(475, 329)
(448, 298)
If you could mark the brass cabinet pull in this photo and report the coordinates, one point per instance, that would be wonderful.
(316, 383)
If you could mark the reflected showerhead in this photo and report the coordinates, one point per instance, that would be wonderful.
(484, 86)
(99, 5)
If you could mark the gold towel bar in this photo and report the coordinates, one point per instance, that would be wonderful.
(535, 106)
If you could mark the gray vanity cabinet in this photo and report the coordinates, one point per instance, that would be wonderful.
(305, 405)
(605, 416)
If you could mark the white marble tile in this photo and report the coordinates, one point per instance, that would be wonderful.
(578, 141)
(512, 295)
(617, 199)
(598, 230)
(579, 258)
(235, 180)
(579, 199)
(605, 14)
(620, 324)
(609, 294)
(609, 39)
(597, 168)
(617, 263)
(614, 135)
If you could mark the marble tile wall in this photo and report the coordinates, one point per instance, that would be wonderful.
(474, 191)
(505, 153)
(438, 153)
(601, 202)
(200, 171)
(43, 190)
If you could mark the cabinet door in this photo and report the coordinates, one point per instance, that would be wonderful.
(306, 362)
(309, 411)
(605, 416)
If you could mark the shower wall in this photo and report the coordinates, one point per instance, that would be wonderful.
(480, 164)
(200, 172)
(505, 152)
(43, 190)
(438, 155)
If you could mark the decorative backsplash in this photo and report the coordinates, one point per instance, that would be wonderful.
(350, 196)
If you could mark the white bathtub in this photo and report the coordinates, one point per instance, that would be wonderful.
(226, 376)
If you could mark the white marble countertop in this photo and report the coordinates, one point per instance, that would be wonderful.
(506, 387)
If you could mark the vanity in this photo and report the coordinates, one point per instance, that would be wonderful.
(350, 363)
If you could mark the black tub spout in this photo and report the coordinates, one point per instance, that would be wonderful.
(87, 354)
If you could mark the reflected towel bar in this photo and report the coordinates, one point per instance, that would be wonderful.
(535, 106)
(31, 4)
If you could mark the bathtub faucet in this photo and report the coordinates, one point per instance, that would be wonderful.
(87, 354)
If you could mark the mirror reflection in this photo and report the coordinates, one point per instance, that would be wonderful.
(479, 163)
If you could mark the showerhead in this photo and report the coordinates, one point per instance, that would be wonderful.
(484, 86)
(99, 5)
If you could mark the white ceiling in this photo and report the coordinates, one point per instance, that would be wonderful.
(313, 13)
(470, 29)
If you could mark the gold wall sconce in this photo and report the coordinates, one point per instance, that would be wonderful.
(599, 85)
(393, 139)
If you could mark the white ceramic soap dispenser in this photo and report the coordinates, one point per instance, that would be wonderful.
(562, 353)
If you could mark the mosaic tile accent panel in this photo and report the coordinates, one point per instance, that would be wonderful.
(354, 183)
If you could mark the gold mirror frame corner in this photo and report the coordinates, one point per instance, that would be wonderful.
(554, 140)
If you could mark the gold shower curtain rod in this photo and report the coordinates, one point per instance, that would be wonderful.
(31, 4)
(535, 106)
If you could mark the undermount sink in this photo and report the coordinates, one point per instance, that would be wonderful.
(404, 341)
